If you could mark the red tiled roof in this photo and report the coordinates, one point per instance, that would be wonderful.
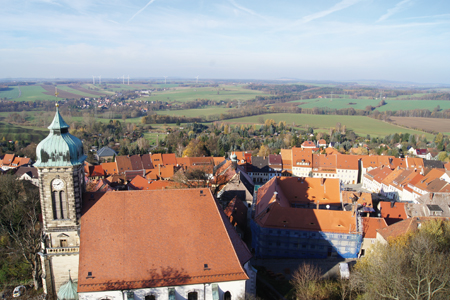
(371, 225)
(393, 211)
(95, 171)
(404, 226)
(364, 199)
(169, 159)
(123, 164)
(308, 144)
(8, 159)
(110, 168)
(193, 245)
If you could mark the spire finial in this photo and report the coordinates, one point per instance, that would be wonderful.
(56, 96)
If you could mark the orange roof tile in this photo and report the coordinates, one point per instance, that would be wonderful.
(218, 160)
(193, 245)
(308, 144)
(404, 226)
(426, 180)
(390, 178)
(393, 211)
(110, 168)
(169, 159)
(157, 159)
(307, 219)
(8, 159)
(371, 225)
(382, 174)
(301, 156)
(96, 171)
(364, 199)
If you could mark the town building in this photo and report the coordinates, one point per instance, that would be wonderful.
(302, 218)
(147, 244)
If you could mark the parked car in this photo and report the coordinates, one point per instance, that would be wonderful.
(18, 291)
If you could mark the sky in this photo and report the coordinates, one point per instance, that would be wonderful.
(397, 40)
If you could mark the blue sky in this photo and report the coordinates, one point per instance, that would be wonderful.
(401, 40)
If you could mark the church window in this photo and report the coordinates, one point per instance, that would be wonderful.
(63, 205)
(227, 296)
(150, 297)
(171, 293)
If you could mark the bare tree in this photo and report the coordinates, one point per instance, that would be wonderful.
(19, 220)
(410, 267)
(306, 282)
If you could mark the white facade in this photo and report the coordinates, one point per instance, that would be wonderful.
(347, 176)
(203, 291)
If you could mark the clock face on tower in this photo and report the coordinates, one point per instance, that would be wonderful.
(58, 184)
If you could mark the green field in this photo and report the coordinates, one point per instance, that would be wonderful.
(77, 92)
(115, 87)
(337, 103)
(194, 112)
(184, 94)
(393, 105)
(26, 133)
(28, 93)
(359, 124)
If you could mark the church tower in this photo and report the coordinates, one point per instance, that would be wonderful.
(60, 164)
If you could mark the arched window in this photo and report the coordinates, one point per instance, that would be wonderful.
(150, 297)
(193, 296)
(56, 205)
(227, 296)
(59, 205)
(63, 205)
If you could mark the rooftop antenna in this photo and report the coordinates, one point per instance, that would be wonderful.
(197, 78)
(165, 79)
(128, 79)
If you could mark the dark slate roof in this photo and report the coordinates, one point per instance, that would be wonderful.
(31, 171)
(136, 162)
(248, 184)
(147, 161)
(260, 164)
(106, 151)
(433, 164)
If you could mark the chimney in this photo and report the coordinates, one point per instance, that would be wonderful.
(322, 181)
(317, 204)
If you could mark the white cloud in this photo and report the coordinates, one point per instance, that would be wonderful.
(398, 7)
(141, 10)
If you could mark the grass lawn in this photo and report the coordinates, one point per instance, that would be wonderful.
(361, 125)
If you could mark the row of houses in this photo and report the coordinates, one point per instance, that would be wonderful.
(305, 162)
(405, 184)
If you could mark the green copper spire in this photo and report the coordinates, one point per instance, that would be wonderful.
(58, 122)
(68, 291)
(59, 148)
